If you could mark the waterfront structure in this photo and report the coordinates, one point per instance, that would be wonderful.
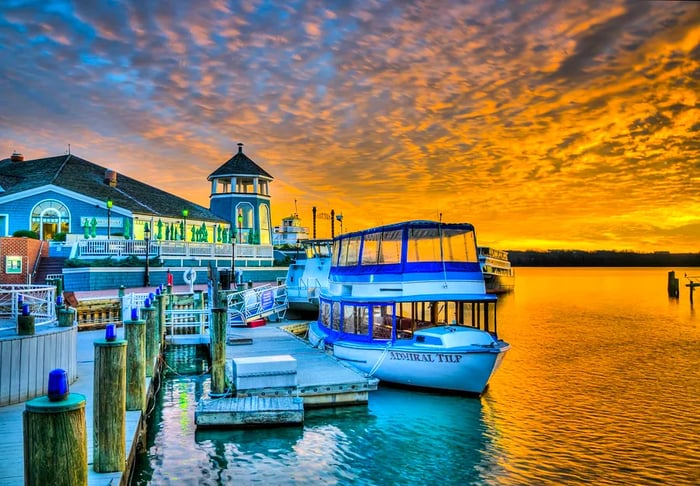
(499, 276)
(240, 194)
(290, 232)
(406, 303)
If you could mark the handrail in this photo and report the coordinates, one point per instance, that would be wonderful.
(40, 299)
(36, 262)
(251, 304)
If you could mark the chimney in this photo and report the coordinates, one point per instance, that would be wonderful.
(17, 157)
(240, 147)
(111, 178)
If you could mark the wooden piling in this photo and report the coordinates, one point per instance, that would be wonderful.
(160, 305)
(66, 317)
(218, 351)
(25, 325)
(55, 441)
(135, 334)
(109, 412)
(673, 285)
(148, 314)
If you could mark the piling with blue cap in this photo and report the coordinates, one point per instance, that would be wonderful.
(135, 335)
(148, 314)
(109, 404)
(55, 437)
(25, 321)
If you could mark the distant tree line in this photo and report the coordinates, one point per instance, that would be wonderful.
(601, 258)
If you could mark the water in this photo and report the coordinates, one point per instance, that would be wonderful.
(601, 386)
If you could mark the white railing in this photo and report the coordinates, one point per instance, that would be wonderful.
(256, 303)
(41, 300)
(181, 249)
(187, 322)
(308, 290)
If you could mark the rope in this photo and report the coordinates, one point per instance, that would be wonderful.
(380, 360)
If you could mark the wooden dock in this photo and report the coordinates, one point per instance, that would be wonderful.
(322, 380)
(11, 429)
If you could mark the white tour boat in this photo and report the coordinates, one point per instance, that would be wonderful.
(406, 303)
(308, 275)
(499, 276)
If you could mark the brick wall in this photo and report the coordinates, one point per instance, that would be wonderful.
(28, 249)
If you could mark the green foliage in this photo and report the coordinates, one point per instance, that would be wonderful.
(59, 237)
(26, 233)
(130, 261)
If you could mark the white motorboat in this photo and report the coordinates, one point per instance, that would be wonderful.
(407, 303)
(308, 275)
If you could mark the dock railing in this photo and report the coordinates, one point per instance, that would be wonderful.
(41, 300)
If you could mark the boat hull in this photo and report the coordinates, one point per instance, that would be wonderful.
(499, 284)
(464, 369)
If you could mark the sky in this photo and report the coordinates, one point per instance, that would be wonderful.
(546, 124)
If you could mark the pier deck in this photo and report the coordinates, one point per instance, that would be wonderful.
(11, 429)
(322, 380)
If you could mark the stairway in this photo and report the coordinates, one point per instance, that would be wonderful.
(48, 266)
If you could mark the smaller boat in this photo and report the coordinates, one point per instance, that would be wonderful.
(306, 276)
(406, 303)
(499, 276)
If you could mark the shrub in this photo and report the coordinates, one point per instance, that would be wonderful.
(59, 237)
(26, 233)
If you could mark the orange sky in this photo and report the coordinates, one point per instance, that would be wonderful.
(567, 125)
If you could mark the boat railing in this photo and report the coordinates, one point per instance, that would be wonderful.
(308, 288)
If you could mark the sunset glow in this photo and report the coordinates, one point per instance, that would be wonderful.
(548, 125)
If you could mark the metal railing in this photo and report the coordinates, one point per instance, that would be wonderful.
(256, 303)
(40, 299)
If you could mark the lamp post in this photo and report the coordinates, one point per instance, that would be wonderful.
(240, 225)
(185, 213)
(109, 216)
(147, 237)
(233, 258)
(339, 217)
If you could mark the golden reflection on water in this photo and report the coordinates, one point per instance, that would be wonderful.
(601, 384)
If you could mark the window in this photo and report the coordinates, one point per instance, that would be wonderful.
(50, 217)
(264, 213)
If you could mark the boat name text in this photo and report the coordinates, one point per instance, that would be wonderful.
(432, 358)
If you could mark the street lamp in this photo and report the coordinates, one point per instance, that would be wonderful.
(233, 258)
(185, 212)
(240, 225)
(147, 237)
(339, 217)
(109, 216)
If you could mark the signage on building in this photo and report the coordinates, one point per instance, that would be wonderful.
(102, 222)
(13, 264)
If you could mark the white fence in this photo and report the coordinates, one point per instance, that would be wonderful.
(103, 248)
(41, 300)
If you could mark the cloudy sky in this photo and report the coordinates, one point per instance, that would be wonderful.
(547, 124)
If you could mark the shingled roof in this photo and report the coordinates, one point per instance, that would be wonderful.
(239, 165)
(84, 177)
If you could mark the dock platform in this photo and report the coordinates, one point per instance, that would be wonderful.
(322, 380)
(249, 411)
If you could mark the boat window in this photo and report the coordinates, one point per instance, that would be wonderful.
(423, 245)
(389, 250)
(325, 313)
(356, 319)
(336, 252)
(349, 252)
(459, 246)
(335, 316)
(382, 320)
(370, 249)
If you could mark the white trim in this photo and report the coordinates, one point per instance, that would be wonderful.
(242, 195)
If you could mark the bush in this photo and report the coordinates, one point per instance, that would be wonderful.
(59, 237)
(26, 234)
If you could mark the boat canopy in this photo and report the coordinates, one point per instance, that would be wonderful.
(413, 246)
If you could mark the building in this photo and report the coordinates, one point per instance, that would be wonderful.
(290, 232)
(85, 210)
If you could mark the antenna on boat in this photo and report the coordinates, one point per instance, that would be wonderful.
(442, 255)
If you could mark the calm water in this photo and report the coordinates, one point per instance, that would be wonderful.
(602, 385)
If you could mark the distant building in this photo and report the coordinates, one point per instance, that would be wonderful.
(290, 232)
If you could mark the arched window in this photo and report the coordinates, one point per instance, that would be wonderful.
(48, 218)
(264, 224)
(245, 223)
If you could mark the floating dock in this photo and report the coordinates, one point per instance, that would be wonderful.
(276, 375)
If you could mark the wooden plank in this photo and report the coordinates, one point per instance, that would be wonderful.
(15, 354)
(40, 365)
(248, 411)
(5, 348)
(31, 366)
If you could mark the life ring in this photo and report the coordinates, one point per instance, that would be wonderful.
(189, 276)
